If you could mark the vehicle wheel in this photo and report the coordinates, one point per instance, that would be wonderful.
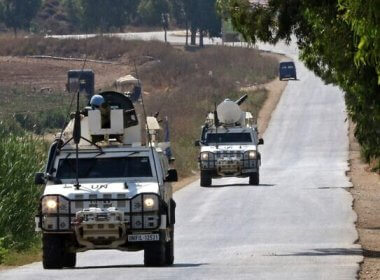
(154, 253)
(169, 249)
(53, 251)
(254, 179)
(206, 180)
(70, 260)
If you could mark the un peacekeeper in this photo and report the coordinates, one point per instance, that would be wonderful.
(98, 102)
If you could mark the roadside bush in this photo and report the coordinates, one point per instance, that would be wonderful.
(3, 250)
(21, 155)
(43, 121)
(43, 112)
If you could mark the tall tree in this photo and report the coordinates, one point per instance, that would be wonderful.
(1, 12)
(364, 20)
(208, 21)
(104, 14)
(337, 39)
(151, 11)
(191, 10)
(72, 10)
(17, 14)
(201, 15)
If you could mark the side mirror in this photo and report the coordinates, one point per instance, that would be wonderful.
(197, 143)
(172, 176)
(39, 178)
(261, 141)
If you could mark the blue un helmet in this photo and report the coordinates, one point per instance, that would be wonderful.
(96, 101)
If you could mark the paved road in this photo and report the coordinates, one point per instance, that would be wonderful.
(298, 224)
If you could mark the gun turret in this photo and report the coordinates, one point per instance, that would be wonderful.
(241, 99)
(229, 112)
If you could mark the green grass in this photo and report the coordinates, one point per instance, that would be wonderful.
(35, 111)
(21, 155)
(15, 257)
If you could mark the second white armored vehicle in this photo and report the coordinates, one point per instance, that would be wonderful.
(107, 190)
(229, 144)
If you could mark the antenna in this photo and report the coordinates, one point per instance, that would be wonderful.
(147, 126)
(77, 128)
(216, 123)
(77, 131)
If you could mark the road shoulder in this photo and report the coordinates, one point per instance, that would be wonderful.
(366, 193)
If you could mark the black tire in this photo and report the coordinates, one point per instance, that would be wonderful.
(254, 179)
(206, 180)
(154, 252)
(70, 260)
(53, 251)
(169, 249)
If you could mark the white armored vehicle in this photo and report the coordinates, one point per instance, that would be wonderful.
(229, 144)
(105, 189)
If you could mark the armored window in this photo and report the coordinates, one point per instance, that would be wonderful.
(228, 138)
(105, 168)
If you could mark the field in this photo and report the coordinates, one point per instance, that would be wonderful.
(183, 85)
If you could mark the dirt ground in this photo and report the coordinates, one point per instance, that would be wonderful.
(366, 193)
(48, 73)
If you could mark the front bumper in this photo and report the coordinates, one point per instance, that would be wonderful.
(230, 167)
(100, 227)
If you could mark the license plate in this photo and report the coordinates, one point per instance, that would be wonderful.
(102, 217)
(143, 237)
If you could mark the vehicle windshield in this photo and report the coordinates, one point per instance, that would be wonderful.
(287, 66)
(228, 138)
(119, 167)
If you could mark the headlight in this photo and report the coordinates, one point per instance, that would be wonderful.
(52, 204)
(149, 202)
(49, 204)
(252, 154)
(204, 156)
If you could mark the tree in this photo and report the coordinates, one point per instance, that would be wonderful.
(17, 14)
(151, 11)
(364, 20)
(200, 15)
(1, 12)
(177, 11)
(72, 10)
(329, 35)
(191, 10)
(104, 14)
(208, 21)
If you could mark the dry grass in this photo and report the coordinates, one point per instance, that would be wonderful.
(183, 85)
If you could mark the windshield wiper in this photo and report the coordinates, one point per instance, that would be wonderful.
(93, 164)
